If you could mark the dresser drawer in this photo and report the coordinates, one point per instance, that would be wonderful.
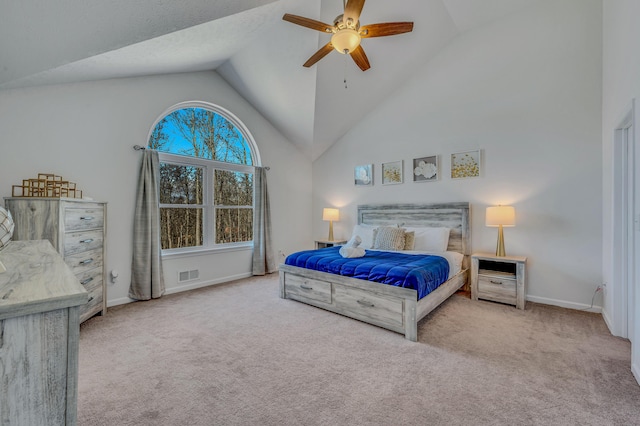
(91, 279)
(77, 219)
(377, 309)
(78, 242)
(499, 289)
(307, 289)
(93, 306)
(85, 261)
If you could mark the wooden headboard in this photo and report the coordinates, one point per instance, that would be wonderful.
(454, 216)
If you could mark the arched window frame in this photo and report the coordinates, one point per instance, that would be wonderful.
(209, 167)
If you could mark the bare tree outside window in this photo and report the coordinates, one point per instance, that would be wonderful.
(200, 200)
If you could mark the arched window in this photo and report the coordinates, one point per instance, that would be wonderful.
(207, 160)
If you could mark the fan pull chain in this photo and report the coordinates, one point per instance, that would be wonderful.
(345, 71)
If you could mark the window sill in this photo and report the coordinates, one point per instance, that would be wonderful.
(206, 251)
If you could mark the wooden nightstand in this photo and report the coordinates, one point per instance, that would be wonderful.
(326, 243)
(500, 279)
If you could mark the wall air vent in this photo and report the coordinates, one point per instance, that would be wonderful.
(188, 275)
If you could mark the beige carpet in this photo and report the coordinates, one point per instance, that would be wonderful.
(237, 354)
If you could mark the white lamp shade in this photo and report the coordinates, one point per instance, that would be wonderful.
(330, 214)
(345, 40)
(500, 215)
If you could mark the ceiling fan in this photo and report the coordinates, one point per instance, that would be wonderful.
(347, 33)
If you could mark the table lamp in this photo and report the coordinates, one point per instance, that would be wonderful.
(500, 216)
(330, 215)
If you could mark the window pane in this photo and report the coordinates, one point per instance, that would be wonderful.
(234, 225)
(181, 227)
(233, 188)
(199, 132)
(180, 184)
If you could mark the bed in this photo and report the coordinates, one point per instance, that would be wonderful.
(392, 307)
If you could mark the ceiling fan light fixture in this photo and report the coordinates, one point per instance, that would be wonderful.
(345, 40)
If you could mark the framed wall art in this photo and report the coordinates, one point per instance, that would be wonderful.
(392, 173)
(466, 164)
(363, 175)
(425, 169)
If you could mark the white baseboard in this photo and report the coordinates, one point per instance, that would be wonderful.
(200, 284)
(608, 322)
(121, 301)
(635, 369)
(565, 304)
(185, 287)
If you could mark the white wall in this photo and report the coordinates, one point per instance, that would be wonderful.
(85, 132)
(621, 84)
(527, 91)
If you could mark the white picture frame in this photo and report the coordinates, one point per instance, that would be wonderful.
(426, 169)
(392, 173)
(466, 164)
(363, 175)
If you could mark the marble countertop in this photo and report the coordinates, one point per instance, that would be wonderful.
(36, 280)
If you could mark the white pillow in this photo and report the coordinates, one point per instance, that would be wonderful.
(366, 233)
(430, 239)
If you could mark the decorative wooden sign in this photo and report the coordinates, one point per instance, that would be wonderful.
(46, 185)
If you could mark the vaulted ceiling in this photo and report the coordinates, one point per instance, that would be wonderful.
(246, 41)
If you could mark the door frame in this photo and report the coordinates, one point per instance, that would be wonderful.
(619, 289)
(625, 293)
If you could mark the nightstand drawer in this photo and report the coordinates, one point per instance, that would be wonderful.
(307, 289)
(500, 289)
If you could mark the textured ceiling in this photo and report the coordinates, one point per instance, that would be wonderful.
(246, 41)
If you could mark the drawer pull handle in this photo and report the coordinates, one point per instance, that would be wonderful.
(89, 240)
(365, 303)
(86, 261)
(87, 281)
(495, 282)
(304, 287)
(90, 299)
(86, 218)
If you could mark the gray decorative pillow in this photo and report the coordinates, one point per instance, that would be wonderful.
(389, 238)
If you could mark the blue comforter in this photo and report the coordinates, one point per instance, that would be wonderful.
(423, 273)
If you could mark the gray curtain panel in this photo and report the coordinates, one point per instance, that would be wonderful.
(263, 260)
(147, 281)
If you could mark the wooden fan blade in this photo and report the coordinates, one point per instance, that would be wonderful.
(309, 23)
(386, 29)
(324, 51)
(352, 10)
(360, 58)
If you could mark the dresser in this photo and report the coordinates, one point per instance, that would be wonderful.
(40, 300)
(76, 228)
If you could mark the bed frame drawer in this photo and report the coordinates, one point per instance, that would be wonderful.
(497, 288)
(307, 289)
(385, 311)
